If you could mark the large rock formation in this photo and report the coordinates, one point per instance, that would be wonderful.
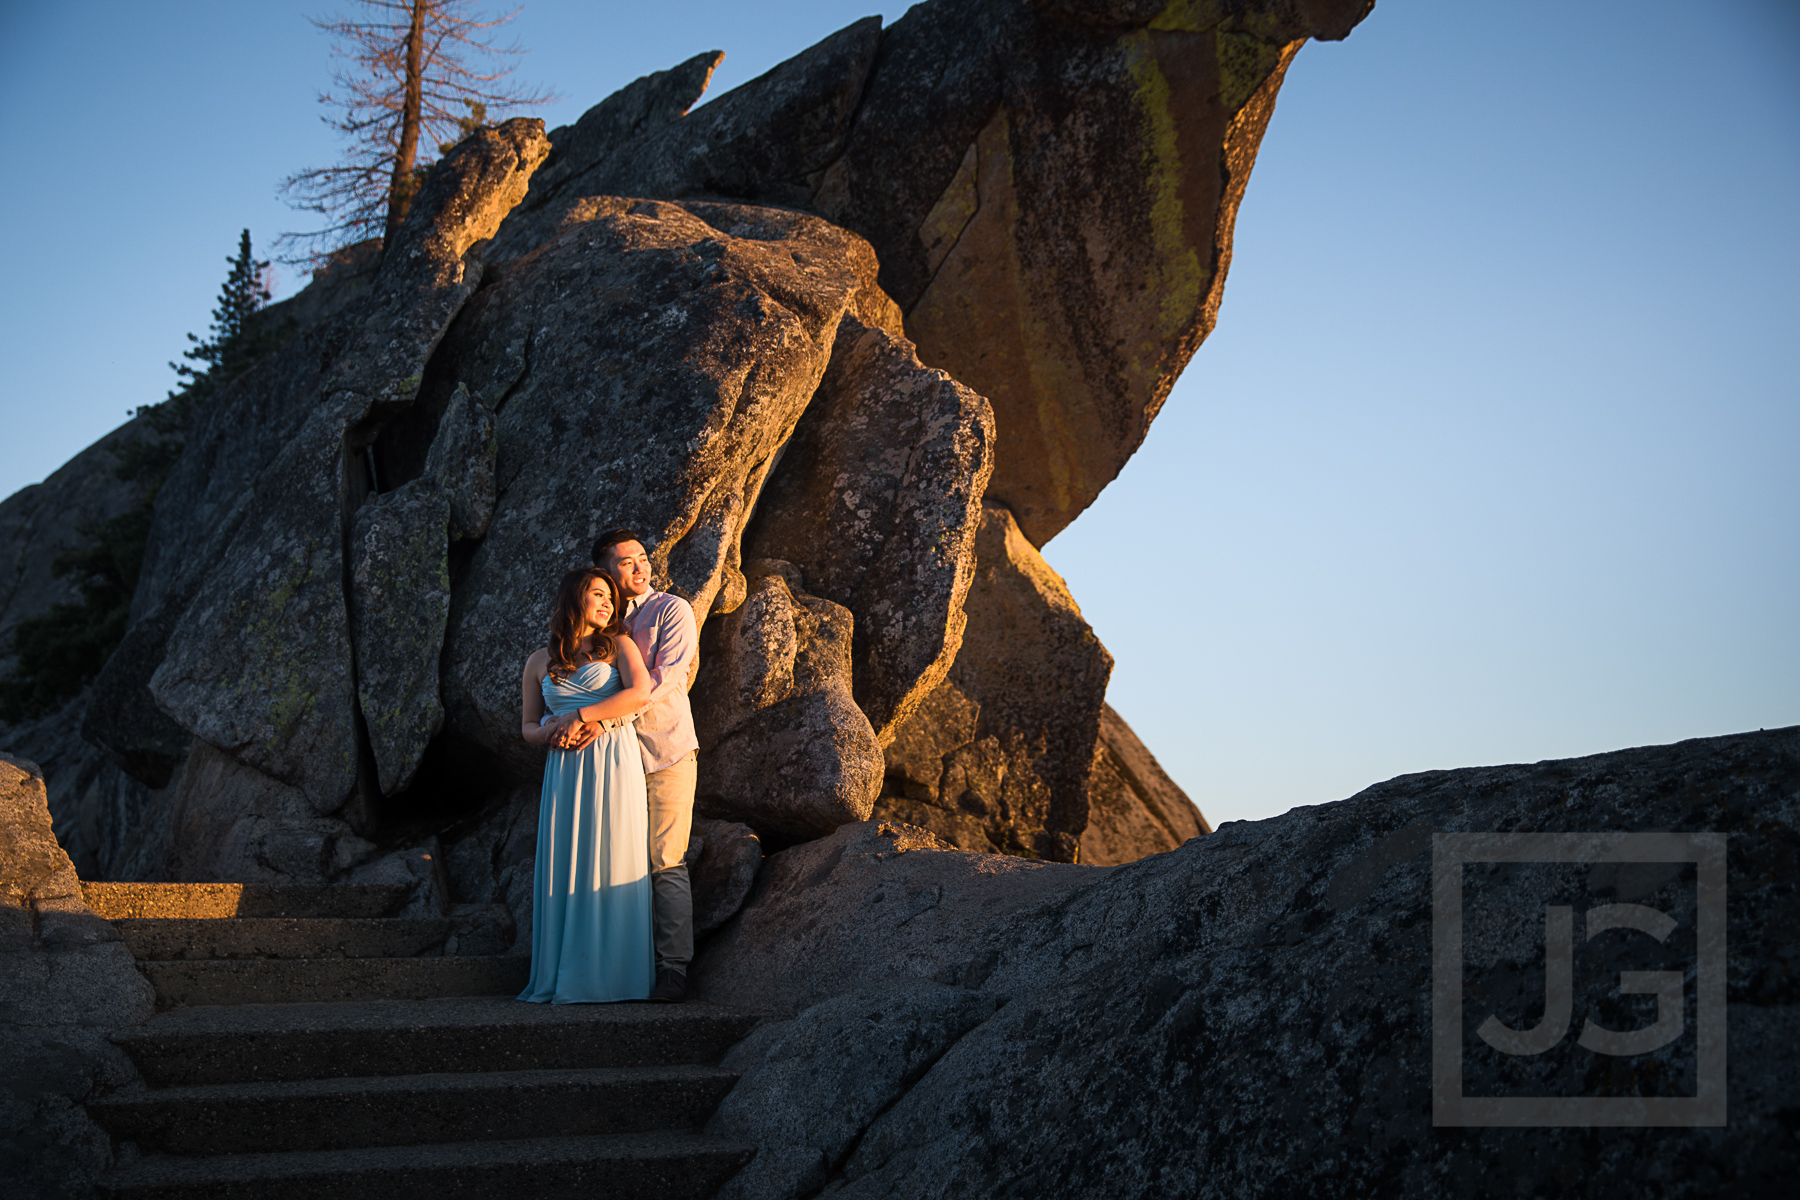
(1252, 1014)
(1051, 189)
(821, 321)
(647, 365)
(260, 661)
(1054, 212)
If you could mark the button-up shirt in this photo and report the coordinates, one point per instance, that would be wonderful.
(664, 629)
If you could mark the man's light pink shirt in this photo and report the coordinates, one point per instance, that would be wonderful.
(665, 632)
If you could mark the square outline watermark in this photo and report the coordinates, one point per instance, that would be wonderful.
(1449, 1107)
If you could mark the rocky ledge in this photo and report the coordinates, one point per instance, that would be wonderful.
(1252, 1014)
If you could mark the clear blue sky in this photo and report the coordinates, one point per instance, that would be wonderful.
(1494, 456)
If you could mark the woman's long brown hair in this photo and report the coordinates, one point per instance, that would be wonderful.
(565, 621)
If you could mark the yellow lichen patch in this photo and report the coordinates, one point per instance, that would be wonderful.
(1181, 276)
(1188, 16)
(978, 319)
(1056, 387)
(1245, 61)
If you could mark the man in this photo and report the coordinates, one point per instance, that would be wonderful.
(664, 629)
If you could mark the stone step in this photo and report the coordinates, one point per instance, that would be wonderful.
(211, 901)
(279, 1042)
(652, 1166)
(224, 981)
(187, 938)
(403, 1110)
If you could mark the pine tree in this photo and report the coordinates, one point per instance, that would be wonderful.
(243, 294)
(405, 78)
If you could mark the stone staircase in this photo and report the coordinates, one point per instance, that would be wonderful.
(309, 1044)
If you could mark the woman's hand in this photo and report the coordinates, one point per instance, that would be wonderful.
(567, 732)
(573, 734)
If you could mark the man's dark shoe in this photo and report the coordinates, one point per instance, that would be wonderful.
(671, 986)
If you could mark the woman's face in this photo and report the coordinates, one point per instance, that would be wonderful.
(597, 605)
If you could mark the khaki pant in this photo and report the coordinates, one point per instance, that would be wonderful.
(671, 792)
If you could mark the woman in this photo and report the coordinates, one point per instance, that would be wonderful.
(591, 923)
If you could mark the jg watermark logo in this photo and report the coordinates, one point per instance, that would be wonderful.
(1578, 979)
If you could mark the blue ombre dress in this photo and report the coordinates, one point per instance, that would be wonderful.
(590, 913)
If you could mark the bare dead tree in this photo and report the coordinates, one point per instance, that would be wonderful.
(413, 70)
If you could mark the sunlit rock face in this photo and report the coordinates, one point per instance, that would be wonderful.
(1015, 750)
(1051, 189)
(783, 744)
(877, 501)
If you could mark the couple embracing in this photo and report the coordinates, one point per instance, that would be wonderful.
(612, 911)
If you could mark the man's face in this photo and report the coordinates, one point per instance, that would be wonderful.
(630, 568)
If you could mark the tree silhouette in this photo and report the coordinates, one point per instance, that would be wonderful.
(244, 292)
(403, 75)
